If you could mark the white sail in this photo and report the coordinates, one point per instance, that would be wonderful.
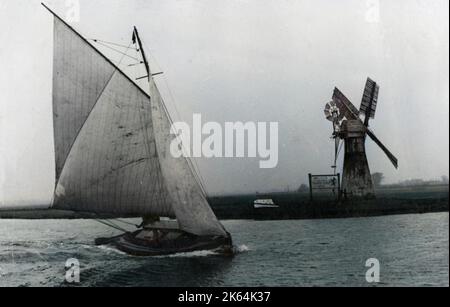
(193, 212)
(106, 161)
(112, 143)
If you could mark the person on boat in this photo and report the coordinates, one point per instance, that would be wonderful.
(149, 220)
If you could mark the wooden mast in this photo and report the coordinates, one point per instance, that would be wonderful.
(141, 49)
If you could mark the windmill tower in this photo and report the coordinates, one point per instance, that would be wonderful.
(349, 127)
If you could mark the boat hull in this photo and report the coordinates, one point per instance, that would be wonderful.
(137, 244)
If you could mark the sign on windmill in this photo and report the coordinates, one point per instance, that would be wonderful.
(325, 184)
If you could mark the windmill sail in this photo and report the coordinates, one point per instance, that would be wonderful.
(346, 108)
(369, 99)
(111, 142)
(391, 157)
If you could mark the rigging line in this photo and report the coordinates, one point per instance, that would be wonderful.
(191, 162)
(126, 222)
(119, 64)
(136, 64)
(110, 224)
(121, 52)
(110, 43)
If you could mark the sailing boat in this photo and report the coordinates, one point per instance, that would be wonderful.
(112, 152)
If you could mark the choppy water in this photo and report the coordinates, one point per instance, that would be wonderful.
(412, 250)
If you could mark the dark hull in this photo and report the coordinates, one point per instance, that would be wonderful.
(132, 244)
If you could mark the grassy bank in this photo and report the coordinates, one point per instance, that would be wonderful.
(298, 205)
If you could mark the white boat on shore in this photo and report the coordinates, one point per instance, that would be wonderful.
(264, 203)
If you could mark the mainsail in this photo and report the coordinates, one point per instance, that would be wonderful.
(111, 143)
(106, 160)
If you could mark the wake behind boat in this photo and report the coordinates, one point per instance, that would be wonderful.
(112, 153)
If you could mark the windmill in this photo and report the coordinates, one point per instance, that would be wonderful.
(349, 127)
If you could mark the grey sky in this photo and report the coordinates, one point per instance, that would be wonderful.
(240, 60)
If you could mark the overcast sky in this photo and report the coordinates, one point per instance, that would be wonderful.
(245, 60)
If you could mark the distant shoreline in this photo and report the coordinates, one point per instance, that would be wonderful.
(298, 205)
(294, 205)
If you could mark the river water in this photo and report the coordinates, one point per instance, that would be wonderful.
(412, 250)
